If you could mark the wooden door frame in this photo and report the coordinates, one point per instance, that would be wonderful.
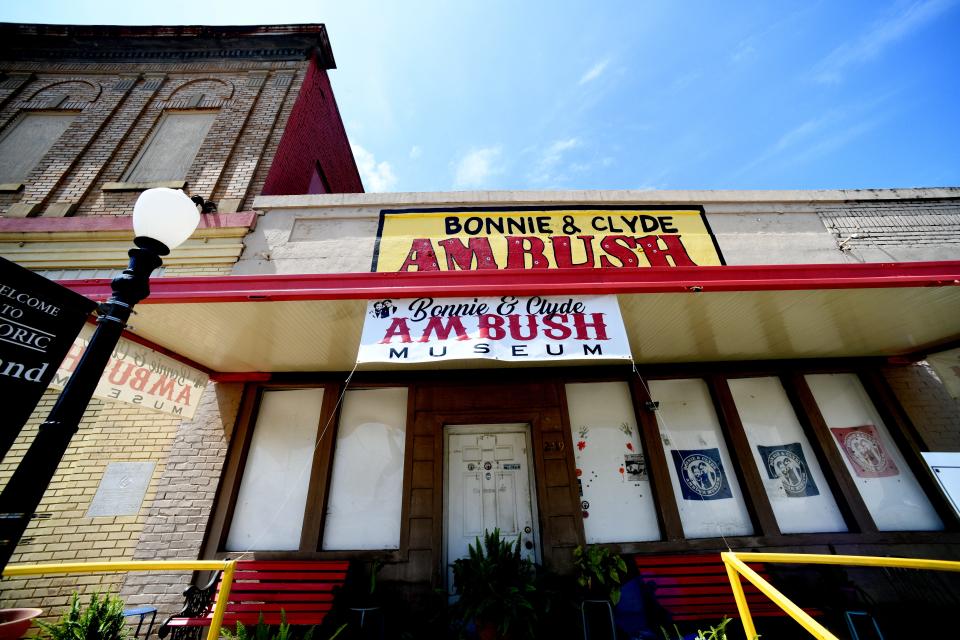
(434, 423)
(515, 427)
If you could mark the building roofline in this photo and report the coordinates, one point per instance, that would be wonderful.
(120, 43)
(606, 197)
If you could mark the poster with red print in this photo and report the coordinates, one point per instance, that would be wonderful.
(864, 449)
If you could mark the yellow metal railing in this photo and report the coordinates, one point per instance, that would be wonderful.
(19, 570)
(736, 567)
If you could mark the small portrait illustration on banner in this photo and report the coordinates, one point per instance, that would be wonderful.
(701, 474)
(787, 463)
(865, 451)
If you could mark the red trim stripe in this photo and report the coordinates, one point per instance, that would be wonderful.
(367, 286)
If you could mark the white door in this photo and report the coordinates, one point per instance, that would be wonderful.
(489, 484)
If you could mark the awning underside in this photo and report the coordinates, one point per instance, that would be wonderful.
(324, 335)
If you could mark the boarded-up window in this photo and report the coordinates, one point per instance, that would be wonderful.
(25, 143)
(363, 509)
(612, 478)
(888, 487)
(273, 493)
(791, 474)
(171, 149)
(703, 475)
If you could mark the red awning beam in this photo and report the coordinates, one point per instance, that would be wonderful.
(367, 286)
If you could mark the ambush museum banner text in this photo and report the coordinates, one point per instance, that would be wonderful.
(519, 238)
(506, 328)
(139, 376)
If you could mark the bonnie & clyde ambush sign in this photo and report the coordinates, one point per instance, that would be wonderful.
(520, 238)
(506, 328)
(139, 376)
(38, 321)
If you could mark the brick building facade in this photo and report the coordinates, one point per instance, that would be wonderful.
(91, 116)
(801, 317)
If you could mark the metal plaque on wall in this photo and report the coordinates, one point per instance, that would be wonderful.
(121, 490)
(38, 321)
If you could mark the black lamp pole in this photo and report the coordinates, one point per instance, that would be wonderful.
(21, 497)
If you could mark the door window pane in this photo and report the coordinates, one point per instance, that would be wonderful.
(615, 493)
(888, 487)
(708, 494)
(27, 141)
(273, 493)
(795, 484)
(172, 147)
(366, 487)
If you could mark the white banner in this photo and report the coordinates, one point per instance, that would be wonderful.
(508, 328)
(139, 376)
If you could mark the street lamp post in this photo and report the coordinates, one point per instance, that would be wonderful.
(162, 220)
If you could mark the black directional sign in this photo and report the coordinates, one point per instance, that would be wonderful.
(39, 320)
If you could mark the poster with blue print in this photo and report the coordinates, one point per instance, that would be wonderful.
(701, 474)
(787, 463)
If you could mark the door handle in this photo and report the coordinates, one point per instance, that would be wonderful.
(528, 544)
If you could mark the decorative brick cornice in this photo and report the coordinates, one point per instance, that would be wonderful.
(43, 42)
(99, 242)
(244, 220)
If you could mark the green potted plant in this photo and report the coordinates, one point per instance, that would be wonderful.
(599, 572)
(497, 589)
(102, 619)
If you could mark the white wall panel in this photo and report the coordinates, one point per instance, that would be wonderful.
(363, 509)
(890, 490)
(701, 472)
(795, 484)
(616, 496)
(273, 493)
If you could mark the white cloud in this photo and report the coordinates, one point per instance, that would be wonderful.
(745, 51)
(556, 150)
(545, 169)
(815, 138)
(594, 72)
(415, 152)
(881, 35)
(836, 140)
(682, 82)
(476, 167)
(376, 176)
(799, 133)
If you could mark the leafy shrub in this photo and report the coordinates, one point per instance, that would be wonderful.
(497, 587)
(715, 632)
(265, 631)
(101, 620)
(600, 572)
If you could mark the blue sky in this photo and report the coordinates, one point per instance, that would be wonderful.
(441, 96)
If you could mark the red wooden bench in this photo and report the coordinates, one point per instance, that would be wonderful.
(696, 587)
(302, 590)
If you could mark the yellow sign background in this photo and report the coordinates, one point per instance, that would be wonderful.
(414, 240)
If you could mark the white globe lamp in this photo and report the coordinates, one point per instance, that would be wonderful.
(166, 216)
